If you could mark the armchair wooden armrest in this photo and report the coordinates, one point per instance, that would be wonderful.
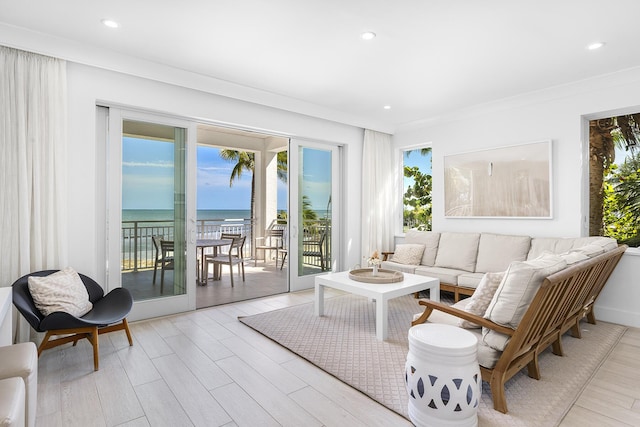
(478, 320)
(385, 255)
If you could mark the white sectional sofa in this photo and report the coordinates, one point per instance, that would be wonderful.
(460, 260)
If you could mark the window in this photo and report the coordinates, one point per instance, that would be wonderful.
(614, 178)
(416, 189)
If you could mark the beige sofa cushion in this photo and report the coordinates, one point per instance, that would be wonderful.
(470, 280)
(405, 268)
(497, 251)
(408, 253)
(573, 257)
(562, 245)
(458, 251)
(446, 275)
(515, 293)
(430, 241)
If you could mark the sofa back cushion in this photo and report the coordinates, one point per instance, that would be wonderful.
(458, 250)
(515, 293)
(497, 251)
(430, 241)
(561, 245)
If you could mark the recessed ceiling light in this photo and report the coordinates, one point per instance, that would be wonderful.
(368, 35)
(387, 107)
(594, 46)
(110, 23)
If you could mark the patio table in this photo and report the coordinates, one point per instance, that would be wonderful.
(201, 244)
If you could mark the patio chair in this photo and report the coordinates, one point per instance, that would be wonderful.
(164, 258)
(108, 314)
(314, 246)
(273, 241)
(234, 256)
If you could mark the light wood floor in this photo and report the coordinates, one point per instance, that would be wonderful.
(205, 368)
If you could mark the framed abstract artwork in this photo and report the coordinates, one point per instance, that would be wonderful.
(507, 182)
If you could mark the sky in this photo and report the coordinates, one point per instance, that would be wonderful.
(414, 158)
(147, 178)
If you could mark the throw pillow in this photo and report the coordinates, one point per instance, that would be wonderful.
(60, 291)
(408, 253)
(482, 296)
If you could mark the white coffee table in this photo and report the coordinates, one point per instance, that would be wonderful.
(381, 292)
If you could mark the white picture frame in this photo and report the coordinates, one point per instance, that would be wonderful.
(506, 182)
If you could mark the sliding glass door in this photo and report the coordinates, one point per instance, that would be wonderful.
(151, 252)
(314, 206)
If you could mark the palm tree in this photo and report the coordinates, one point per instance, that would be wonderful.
(245, 161)
(604, 136)
(282, 167)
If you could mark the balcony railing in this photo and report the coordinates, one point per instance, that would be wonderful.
(138, 252)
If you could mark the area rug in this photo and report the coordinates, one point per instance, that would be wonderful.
(343, 343)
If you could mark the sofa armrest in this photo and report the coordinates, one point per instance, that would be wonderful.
(478, 320)
(385, 255)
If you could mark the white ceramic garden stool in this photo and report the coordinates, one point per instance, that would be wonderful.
(443, 376)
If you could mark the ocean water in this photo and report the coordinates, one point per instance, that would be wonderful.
(202, 214)
(167, 215)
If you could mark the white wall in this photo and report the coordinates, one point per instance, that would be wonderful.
(556, 114)
(90, 85)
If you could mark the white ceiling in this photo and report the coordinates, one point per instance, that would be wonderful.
(430, 58)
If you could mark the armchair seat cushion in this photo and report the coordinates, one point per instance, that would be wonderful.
(487, 356)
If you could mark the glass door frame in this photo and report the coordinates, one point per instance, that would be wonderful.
(297, 281)
(145, 309)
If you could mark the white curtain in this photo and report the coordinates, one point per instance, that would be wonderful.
(380, 183)
(33, 152)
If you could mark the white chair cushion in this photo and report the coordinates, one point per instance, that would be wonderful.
(515, 293)
(430, 241)
(60, 291)
(458, 251)
(497, 251)
(408, 253)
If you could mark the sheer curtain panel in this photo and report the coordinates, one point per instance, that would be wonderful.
(33, 153)
(379, 193)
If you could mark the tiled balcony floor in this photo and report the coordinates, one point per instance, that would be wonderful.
(260, 281)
